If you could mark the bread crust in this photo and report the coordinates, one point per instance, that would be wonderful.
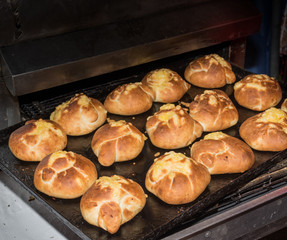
(172, 127)
(210, 71)
(176, 179)
(257, 92)
(80, 115)
(263, 134)
(213, 110)
(111, 202)
(284, 105)
(129, 99)
(65, 175)
(117, 141)
(223, 154)
(37, 139)
(165, 85)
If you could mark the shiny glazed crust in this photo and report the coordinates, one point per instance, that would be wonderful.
(165, 85)
(37, 139)
(80, 115)
(264, 134)
(224, 154)
(111, 202)
(129, 99)
(65, 175)
(176, 179)
(257, 92)
(213, 110)
(172, 127)
(117, 141)
(210, 71)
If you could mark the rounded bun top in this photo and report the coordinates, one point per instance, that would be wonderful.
(111, 202)
(210, 71)
(129, 99)
(65, 175)
(165, 85)
(266, 131)
(37, 139)
(257, 92)
(80, 115)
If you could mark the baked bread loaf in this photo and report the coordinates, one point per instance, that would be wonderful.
(257, 92)
(213, 110)
(129, 99)
(111, 202)
(172, 127)
(221, 153)
(80, 115)
(176, 179)
(65, 175)
(37, 139)
(166, 86)
(117, 141)
(284, 105)
(210, 71)
(266, 131)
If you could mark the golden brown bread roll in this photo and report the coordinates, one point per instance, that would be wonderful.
(117, 141)
(266, 131)
(284, 105)
(111, 202)
(221, 153)
(166, 86)
(176, 179)
(257, 92)
(213, 110)
(80, 115)
(37, 139)
(172, 127)
(129, 99)
(65, 175)
(210, 71)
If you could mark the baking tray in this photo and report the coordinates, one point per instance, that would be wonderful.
(157, 218)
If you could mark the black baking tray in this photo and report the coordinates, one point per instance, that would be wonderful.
(157, 217)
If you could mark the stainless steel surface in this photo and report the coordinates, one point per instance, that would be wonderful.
(44, 63)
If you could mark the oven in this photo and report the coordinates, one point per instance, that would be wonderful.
(54, 49)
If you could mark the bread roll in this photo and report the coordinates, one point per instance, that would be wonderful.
(37, 139)
(65, 175)
(117, 141)
(266, 131)
(257, 92)
(210, 71)
(176, 179)
(111, 202)
(166, 86)
(129, 99)
(221, 153)
(213, 110)
(80, 115)
(284, 105)
(172, 127)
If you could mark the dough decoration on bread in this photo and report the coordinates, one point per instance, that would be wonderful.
(37, 139)
(257, 92)
(172, 127)
(210, 71)
(213, 110)
(165, 85)
(284, 105)
(266, 131)
(129, 99)
(80, 115)
(117, 141)
(176, 179)
(65, 175)
(221, 153)
(111, 202)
